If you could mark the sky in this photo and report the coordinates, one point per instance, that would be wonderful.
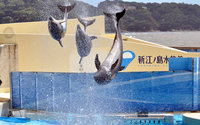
(95, 2)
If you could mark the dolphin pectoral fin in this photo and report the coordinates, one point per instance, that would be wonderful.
(93, 37)
(60, 42)
(63, 22)
(97, 62)
(121, 68)
(114, 65)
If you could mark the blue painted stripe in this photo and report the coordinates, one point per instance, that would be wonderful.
(28, 90)
(199, 85)
(180, 64)
(195, 83)
(60, 82)
(44, 92)
(16, 98)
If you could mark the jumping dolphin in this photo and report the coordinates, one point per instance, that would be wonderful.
(83, 43)
(86, 23)
(58, 29)
(107, 71)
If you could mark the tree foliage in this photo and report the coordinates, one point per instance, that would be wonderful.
(160, 17)
(146, 17)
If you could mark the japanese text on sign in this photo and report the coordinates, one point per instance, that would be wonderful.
(154, 60)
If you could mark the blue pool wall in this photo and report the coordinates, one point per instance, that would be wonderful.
(129, 92)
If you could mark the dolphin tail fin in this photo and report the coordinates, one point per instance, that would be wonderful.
(86, 23)
(93, 37)
(117, 15)
(60, 42)
(67, 8)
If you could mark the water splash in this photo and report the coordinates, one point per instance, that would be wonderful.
(85, 13)
(81, 68)
(66, 2)
(69, 2)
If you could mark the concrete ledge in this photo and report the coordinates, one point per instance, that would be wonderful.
(4, 97)
(191, 118)
(4, 108)
(4, 90)
(132, 118)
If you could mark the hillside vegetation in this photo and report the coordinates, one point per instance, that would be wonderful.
(146, 17)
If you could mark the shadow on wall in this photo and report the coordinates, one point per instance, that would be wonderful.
(8, 63)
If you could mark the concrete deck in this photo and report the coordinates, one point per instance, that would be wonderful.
(4, 94)
(191, 118)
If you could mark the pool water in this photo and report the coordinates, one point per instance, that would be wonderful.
(177, 121)
(25, 121)
(84, 121)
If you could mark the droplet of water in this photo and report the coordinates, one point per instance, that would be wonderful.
(90, 88)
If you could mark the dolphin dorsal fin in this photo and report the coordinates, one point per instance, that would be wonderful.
(114, 65)
(97, 62)
(60, 42)
(80, 60)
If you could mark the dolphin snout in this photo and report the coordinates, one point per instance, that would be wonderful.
(102, 78)
(51, 18)
(78, 27)
(99, 80)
